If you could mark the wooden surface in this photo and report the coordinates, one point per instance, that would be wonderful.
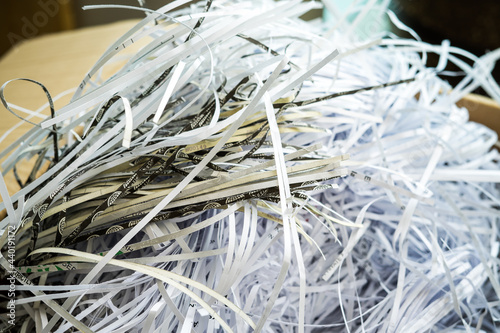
(482, 110)
(61, 60)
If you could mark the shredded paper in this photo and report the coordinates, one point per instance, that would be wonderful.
(245, 170)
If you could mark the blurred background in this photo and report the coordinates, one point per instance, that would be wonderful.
(471, 25)
(26, 19)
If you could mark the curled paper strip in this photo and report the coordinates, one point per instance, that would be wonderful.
(261, 173)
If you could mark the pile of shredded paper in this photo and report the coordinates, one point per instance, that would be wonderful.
(246, 170)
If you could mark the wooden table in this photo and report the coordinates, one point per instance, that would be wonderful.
(61, 60)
